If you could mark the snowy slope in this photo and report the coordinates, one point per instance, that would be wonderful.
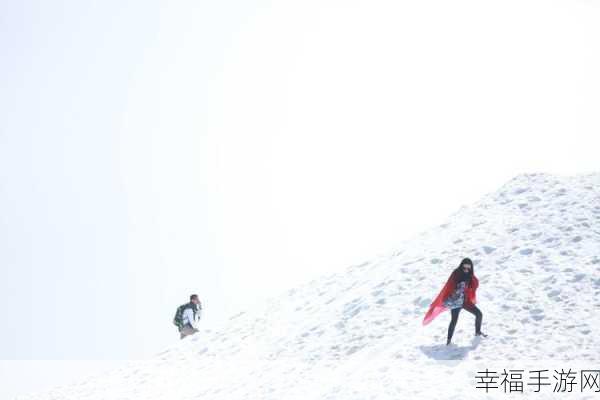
(357, 334)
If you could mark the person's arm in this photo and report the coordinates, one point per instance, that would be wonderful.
(195, 318)
(474, 283)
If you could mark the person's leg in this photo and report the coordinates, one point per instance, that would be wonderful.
(187, 330)
(478, 317)
(455, 312)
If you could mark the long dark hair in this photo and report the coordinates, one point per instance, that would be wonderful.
(461, 275)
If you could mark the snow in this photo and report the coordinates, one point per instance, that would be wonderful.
(357, 334)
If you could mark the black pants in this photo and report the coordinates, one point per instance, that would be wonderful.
(187, 330)
(470, 308)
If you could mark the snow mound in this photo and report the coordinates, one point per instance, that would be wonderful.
(357, 334)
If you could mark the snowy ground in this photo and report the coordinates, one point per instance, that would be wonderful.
(357, 334)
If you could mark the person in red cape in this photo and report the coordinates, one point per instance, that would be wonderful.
(458, 292)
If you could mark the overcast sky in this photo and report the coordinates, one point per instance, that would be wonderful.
(235, 149)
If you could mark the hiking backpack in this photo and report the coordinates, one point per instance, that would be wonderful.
(178, 319)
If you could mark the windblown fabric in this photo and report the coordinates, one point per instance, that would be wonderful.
(437, 306)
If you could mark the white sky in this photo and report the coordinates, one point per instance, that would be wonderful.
(234, 149)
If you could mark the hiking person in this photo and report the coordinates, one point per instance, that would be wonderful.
(457, 293)
(187, 316)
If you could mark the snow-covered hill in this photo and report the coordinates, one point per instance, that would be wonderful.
(357, 334)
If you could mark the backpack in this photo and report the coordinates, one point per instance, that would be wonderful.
(178, 319)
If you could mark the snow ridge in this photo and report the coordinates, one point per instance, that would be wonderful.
(534, 243)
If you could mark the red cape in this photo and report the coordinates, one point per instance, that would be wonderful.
(437, 306)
